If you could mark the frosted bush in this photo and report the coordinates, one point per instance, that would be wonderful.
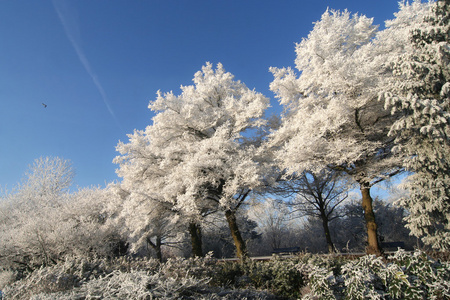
(137, 285)
(71, 273)
(321, 282)
(128, 279)
(278, 275)
(6, 277)
(199, 267)
(403, 276)
(43, 280)
(133, 285)
(424, 273)
(361, 278)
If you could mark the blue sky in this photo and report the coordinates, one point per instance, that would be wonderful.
(97, 64)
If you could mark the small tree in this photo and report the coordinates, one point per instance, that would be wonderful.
(146, 221)
(317, 195)
(42, 223)
(273, 218)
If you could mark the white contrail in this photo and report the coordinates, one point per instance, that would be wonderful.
(71, 29)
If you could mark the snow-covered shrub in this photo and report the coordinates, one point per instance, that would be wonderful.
(199, 267)
(137, 285)
(403, 276)
(44, 280)
(422, 272)
(277, 276)
(321, 281)
(361, 278)
(72, 272)
(320, 274)
(43, 222)
(7, 277)
(228, 274)
(128, 279)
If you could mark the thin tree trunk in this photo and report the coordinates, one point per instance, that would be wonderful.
(196, 239)
(326, 229)
(156, 246)
(241, 250)
(373, 246)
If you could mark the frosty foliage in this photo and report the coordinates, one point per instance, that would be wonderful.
(194, 156)
(128, 279)
(417, 90)
(42, 222)
(145, 221)
(405, 276)
(333, 117)
(371, 102)
(192, 153)
(274, 221)
(49, 176)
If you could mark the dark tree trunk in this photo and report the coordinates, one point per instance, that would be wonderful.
(196, 239)
(241, 250)
(330, 244)
(157, 247)
(373, 246)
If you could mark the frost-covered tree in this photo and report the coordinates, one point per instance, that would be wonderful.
(49, 176)
(194, 155)
(41, 222)
(274, 221)
(418, 89)
(332, 117)
(84, 224)
(145, 221)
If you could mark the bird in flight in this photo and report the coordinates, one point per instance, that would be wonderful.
(45, 105)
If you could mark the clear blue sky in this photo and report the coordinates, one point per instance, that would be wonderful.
(97, 64)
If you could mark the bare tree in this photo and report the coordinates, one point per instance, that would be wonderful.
(316, 195)
(273, 219)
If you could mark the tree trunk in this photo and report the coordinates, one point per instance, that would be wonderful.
(373, 246)
(241, 250)
(156, 246)
(330, 244)
(196, 239)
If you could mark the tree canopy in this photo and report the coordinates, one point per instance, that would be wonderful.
(194, 155)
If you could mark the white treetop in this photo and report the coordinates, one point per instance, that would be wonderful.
(49, 176)
(192, 154)
(333, 117)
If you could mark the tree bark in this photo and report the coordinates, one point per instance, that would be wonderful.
(196, 239)
(326, 229)
(373, 246)
(241, 249)
(157, 247)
